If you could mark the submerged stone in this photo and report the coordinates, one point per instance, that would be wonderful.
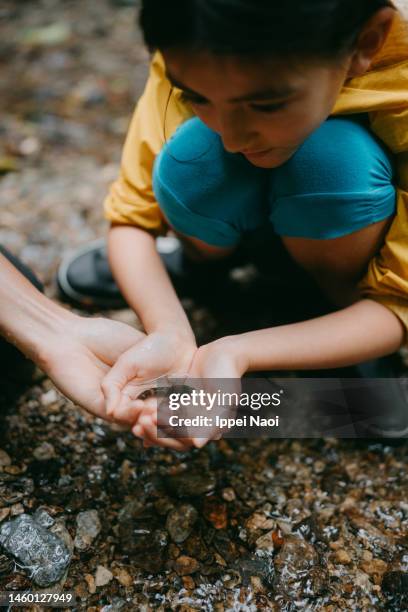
(191, 483)
(180, 522)
(88, 528)
(41, 552)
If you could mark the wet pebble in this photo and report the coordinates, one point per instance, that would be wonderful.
(43, 553)
(88, 528)
(44, 451)
(180, 522)
(191, 483)
(395, 580)
(293, 565)
(102, 576)
(4, 458)
(185, 566)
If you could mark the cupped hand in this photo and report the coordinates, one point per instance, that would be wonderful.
(215, 367)
(83, 354)
(156, 355)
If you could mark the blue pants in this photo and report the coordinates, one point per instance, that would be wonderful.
(339, 181)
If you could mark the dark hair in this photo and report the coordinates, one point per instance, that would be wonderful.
(319, 28)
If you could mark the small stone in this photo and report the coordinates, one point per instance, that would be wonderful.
(4, 512)
(123, 577)
(16, 509)
(342, 557)
(48, 398)
(44, 451)
(259, 521)
(43, 518)
(293, 564)
(395, 580)
(88, 528)
(180, 522)
(4, 458)
(215, 512)
(319, 466)
(367, 555)
(266, 541)
(188, 583)
(186, 565)
(102, 576)
(117, 605)
(90, 581)
(191, 483)
(228, 494)
(43, 553)
(375, 566)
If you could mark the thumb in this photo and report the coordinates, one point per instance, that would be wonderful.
(125, 369)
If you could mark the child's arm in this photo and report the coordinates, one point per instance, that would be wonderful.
(170, 344)
(358, 333)
(363, 330)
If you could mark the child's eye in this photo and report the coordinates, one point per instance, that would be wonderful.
(192, 99)
(269, 108)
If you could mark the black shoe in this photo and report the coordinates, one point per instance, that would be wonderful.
(378, 401)
(85, 280)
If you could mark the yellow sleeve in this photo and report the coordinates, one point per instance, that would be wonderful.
(386, 280)
(158, 114)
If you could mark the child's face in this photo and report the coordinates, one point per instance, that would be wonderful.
(264, 109)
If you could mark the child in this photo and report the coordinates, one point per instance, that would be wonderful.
(298, 107)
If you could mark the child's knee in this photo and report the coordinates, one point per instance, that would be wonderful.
(339, 181)
(205, 192)
(340, 156)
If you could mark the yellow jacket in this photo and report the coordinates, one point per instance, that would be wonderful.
(382, 92)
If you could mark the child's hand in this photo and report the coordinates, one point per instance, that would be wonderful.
(155, 355)
(218, 365)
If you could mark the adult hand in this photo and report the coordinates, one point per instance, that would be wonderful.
(78, 360)
(158, 354)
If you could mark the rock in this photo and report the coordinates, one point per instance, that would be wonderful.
(228, 494)
(88, 528)
(395, 580)
(4, 458)
(293, 565)
(43, 553)
(4, 512)
(6, 565)
(191, 483)
(180, 522)
(266, 541)
(375, 566)
(142, 539)
(42, 517)
(117, 605)
(48, 398)
(123, 577)
(102, 576)
(215, 511)
(44, 451)
(254, 565)
(342, 557)
(90, 581)
(16, 509)
(259, 521)
(186, 565)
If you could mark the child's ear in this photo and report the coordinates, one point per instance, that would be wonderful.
(370, 41)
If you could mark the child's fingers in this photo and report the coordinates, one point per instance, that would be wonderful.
(150, 432)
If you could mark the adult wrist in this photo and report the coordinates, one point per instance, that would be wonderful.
(41, 335)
